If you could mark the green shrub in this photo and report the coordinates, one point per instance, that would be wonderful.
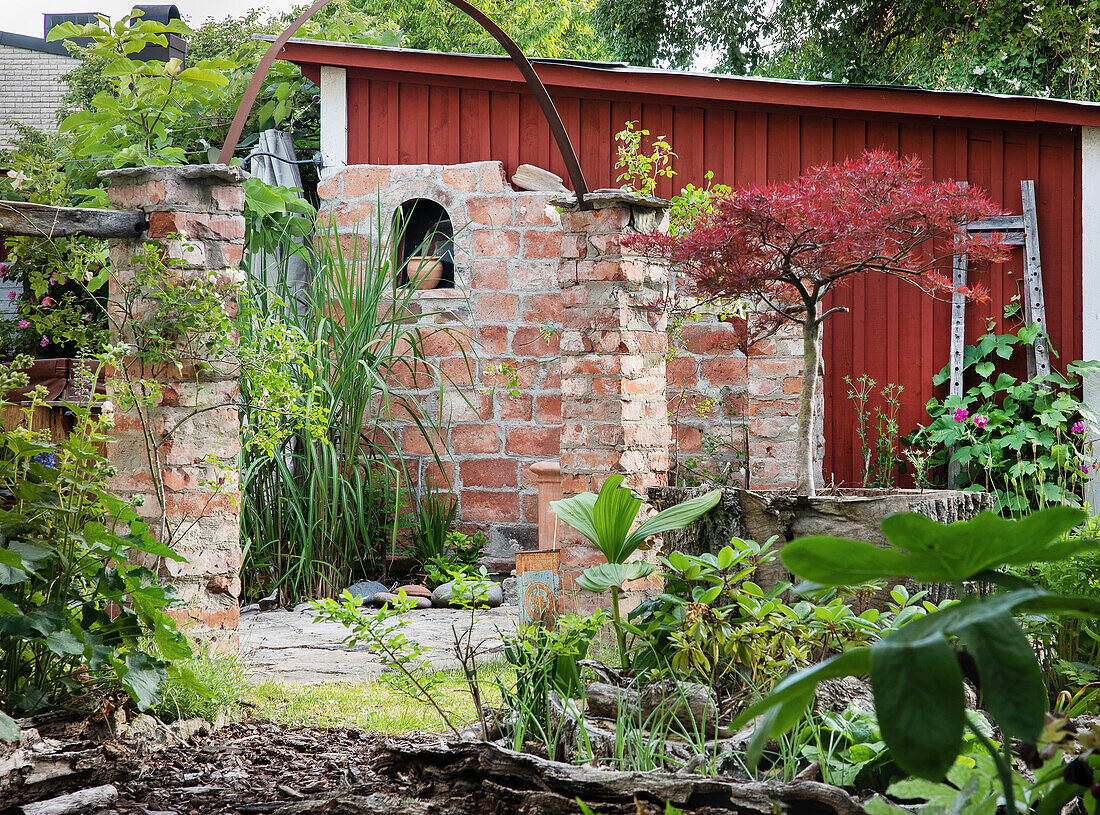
(1022, 440)
(75, 608)
(225, 682)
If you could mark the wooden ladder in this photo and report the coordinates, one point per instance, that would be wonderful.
(1016, 230)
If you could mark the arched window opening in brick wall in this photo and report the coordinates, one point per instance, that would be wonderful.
(423, 230)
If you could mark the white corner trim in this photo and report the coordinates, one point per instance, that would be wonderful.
(1090, 283)
(334, 116)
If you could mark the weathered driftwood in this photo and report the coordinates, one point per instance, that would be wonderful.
(80, 801)
(37, 768)
(467, 778)
(41, 221)
(691, 704)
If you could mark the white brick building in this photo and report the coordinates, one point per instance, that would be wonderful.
(30, 82)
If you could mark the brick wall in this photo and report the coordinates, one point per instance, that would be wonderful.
(508, 302)
(202, 205)
(30, 88)
(507, 245)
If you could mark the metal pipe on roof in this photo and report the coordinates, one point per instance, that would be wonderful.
(546, 104)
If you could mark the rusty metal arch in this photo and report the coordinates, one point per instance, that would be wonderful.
(557, 127)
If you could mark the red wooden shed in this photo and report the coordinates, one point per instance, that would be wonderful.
(411, 107)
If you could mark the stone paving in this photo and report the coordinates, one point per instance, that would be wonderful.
(291, 647)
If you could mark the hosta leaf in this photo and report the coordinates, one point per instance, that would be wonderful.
(9, 728)
(612, 516)
(1011, 682)
(606, 576)
(938, 553)
(919, 700)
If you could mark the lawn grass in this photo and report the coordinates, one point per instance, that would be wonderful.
(376, 705)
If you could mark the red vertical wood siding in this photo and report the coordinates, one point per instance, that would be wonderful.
(890, 332)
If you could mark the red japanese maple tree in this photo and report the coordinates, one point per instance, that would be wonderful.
(784, 247)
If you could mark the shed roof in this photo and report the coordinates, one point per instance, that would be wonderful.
(618, 79)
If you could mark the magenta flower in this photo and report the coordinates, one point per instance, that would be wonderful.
(1085, 469)
(1078, 427)
(45, 341)
(24, 324)
(961, 414)
(47, 302)
(980, 420)
(11, 296)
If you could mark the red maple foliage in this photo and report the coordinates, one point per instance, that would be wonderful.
(783, 247)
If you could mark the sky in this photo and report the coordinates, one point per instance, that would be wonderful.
(25, 16)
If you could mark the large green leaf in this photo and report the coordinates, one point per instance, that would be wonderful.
(919, 701)
(606, 519)
(793, 687)
(612, 516)
(577, 512)
(142, 676)
(9, 728)
(1012, 684)
(676, 517)
(606, 576)
(933, 552)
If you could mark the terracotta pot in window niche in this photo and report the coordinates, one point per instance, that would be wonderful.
(425, 271)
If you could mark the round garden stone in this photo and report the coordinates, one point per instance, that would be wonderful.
(443, 596)
(365, 590)
(415, 590)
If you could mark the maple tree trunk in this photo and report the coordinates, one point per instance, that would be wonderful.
(811, 355)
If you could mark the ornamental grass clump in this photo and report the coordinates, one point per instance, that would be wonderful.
(785, 246)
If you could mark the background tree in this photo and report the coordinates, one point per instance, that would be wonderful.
(784, 247)
(1005, 46)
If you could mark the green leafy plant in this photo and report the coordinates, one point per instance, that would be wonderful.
(639, 169)
(880, 453)
(382, 631)
(606, 521)
(327, 502)
(435, 514)
(915, 672)
(545, 660)
(75, 607)
(1023, 440)
(714, 623)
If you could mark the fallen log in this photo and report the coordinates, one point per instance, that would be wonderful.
(80, 801)
(41, 221)
(474, 778)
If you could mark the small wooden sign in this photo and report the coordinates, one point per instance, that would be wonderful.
(537, 585)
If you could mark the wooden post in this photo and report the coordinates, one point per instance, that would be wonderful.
(548, 478)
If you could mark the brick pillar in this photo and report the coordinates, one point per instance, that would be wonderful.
(613, 350)
(203, 206)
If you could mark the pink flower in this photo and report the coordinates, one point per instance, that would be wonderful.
(1078, 427)
(47, 302)
(45, 341)
(980, 420)
(11, 296)
(1085, 469)
(961, 414)
(24, 324)
(53, 279)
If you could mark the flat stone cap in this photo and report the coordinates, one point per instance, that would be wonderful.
(602, 199)
(216, 172)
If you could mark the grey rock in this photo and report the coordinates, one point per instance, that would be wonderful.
(383, 598)
(444, 595)
(423, 602)
(269, 602)
(366, 589)
(303, 607)
(510, 588)
(252, 608)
